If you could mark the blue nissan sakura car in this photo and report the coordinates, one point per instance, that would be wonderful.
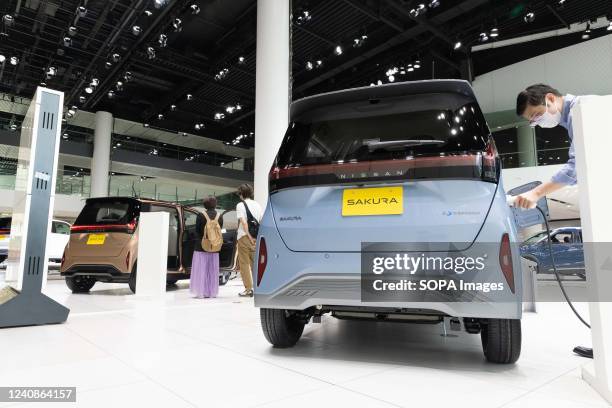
(370, 170)
(567, 250)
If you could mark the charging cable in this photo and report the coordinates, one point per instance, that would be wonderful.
(581, 351)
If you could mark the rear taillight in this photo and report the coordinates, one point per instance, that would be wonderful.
(262, 260)
(505, 261)
(490, 163)
(131, 226)
(128, 228)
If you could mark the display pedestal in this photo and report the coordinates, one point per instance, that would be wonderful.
(593, 144)
(152, 254)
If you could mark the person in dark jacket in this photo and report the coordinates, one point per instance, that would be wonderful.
(204, 282)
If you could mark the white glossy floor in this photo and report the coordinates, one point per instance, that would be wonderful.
(120, 351)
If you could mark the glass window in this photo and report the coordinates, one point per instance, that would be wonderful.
(230, 220)
(60, 228)
(355, 134)
(107, 211)
(563, 237)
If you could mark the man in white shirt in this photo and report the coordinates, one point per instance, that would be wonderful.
(246, 242)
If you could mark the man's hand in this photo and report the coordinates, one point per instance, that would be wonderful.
(527, 200)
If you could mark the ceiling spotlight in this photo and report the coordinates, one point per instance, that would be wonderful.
(219, 116)
(128, 76)
(72, 111)
(163, 40)
(51, 71)
(238, 106)
(116, 57)
(82, 99)
(391, 78)
(230, 109)
(14, 60)
(160, 116)
(136, 30)
(458, 45)
(241, 60)
(69, 115)
(119, 85)
(95, 82)
(434, 3)
(199, 126)
(151, 52)
(529, 17)
(72, 31)
(89, 90)
(2, 59)
(483, 37)
(67, 41)
(177, 23)
(111, 94)
(145, 125)
(159, 3)
(173, 108)
(338, 50)
(587, 32)
(417, 64)
(148, 13)
(108, 65)
(9, 21)
(309, 66)
(303, 16)
(494, 32)
(195, 9)
(82, 11)
(189, 97)
(319, 63)
(65, 136)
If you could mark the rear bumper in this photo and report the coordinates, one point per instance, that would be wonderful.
(329, 290)
(105, 273)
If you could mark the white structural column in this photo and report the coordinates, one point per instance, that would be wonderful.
(592, 130)
(526, 146)
(272, 88)
(152, 254)
(100, 163)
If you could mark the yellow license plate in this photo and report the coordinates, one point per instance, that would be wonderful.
(96, 239)
(3, 237)
(373, 201)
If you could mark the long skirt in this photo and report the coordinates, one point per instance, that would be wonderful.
(204, 282)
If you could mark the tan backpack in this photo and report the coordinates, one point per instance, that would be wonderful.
(212, 239)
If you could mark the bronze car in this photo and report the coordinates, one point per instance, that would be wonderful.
(103, 244)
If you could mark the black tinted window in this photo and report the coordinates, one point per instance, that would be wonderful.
(5, 223)
(106, 212)
(384, 137)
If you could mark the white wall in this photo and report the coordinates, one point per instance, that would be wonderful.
(582, 69)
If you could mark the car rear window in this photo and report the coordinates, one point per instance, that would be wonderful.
(377, 137)
(107, 212)
(5, 223)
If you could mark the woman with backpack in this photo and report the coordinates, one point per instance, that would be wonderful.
(204, 281)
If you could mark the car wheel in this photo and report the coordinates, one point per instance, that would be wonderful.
(501, 340)
(132, 280)
(281, 328)
(80, 284)
(224, 277)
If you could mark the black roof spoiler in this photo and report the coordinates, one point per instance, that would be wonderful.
(443, 86)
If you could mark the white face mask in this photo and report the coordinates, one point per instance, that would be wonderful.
(548, 120)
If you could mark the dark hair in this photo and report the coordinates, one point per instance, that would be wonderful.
(210, 202)
(533, 96)
(245, 191)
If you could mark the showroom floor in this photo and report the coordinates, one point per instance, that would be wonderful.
(119, 350)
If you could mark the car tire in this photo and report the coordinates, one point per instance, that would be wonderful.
(132, 280)
(280, 328)
(224, 277)
(501, 340)
(80, 284)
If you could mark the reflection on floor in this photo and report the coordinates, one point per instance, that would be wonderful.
(119, 350)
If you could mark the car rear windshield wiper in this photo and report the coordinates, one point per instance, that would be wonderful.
(403, 143)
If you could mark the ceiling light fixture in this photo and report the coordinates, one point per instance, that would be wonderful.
(483, 37)
(72, 31)
(494, 32)
(189, 97)
(160, 116)
(309, 66)
(128, 76)
(195, 9)
(338, 50)
(9, 21)
(88, 90)
(82, 11)
(162, 40)
(111, 94)
(108, 65)
(173, 108)
(136, 30)
(241, 60)
(458, 45)
(82, 99)
(434, 3)
(159, 3)
(14, 60)
(529, 17)
(177, 23)
(151, 52)
(587, 32)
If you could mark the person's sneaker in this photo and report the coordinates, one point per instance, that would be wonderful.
(246, 293)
